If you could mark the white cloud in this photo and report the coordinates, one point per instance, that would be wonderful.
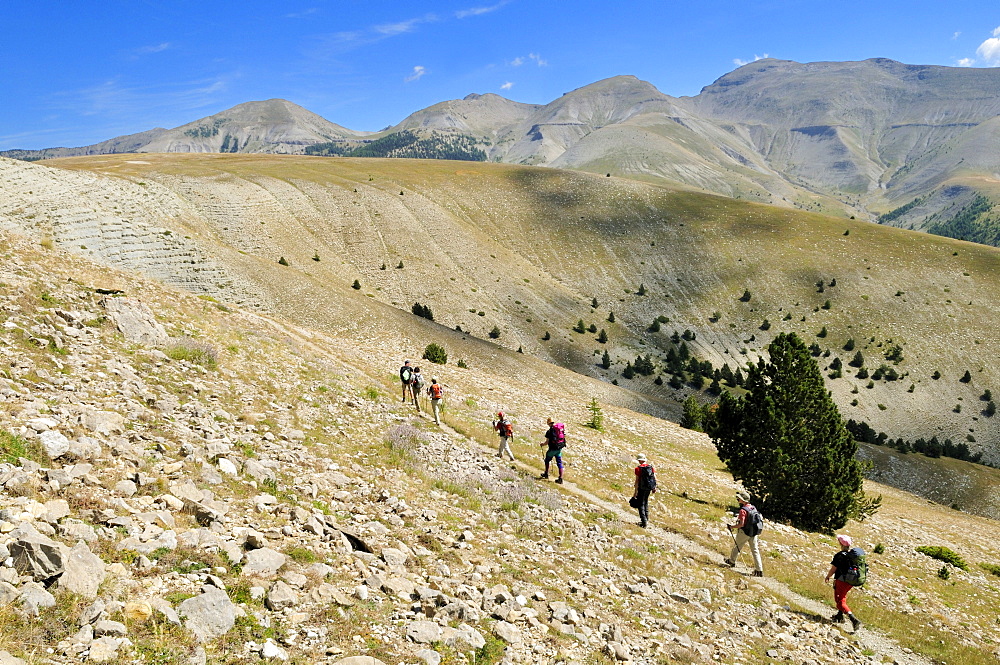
(996, 31)
(739, 63)
(956, 34)
(304, 13)
(538, 59)
(966, 62)
(989, 50)
(156, 48)
(507, 86)
(517, 62)
(398, 28)
(478, 11)
(418, 71)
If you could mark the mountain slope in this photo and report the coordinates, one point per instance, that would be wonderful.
(528, 250)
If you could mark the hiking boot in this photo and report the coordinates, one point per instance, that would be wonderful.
(837, 618)
(758, 573)
(855, 622)
(559, 481)
(729, 562)
(543, 476)
(642, 525)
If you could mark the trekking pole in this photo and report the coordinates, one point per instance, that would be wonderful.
(739, 555)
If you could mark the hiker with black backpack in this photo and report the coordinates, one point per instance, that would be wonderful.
(405, 376)
(555, 439)
(748, 526)
(848, 570)
(505, 429)
(645, 484)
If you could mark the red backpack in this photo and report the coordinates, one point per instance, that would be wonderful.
(436, 390)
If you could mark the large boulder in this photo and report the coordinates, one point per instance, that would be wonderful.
(263, 562)
(83, 571)
(135, 321)
(209, 615)
(34, 554)
(54, 442)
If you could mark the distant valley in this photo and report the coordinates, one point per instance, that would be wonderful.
(904, 145)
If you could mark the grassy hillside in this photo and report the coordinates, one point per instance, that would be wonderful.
(311, 429)
(529, 250)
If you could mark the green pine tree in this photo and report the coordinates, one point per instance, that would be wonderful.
(602, 337)
(606, 360)
(692, 414)
(787, 443)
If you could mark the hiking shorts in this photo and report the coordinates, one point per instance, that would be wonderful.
(550, 453)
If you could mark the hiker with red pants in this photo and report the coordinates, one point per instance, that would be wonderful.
(555, 439)
(841, 571)
(645, 484)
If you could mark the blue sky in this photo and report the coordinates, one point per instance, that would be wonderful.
(75, 73)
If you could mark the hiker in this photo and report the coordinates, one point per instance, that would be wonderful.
(845, 572)
(405, 375)
(555, 439)
(416, 385)
(505, 429)
(748, 526)
(436, 391)
(645, 484)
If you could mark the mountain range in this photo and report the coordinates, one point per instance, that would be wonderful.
(907, 145)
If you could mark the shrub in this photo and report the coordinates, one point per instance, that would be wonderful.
(991, 568)
(356, 285)
(495, 333)
(461, 363)
(283, 261)
(13, 447)
(422, 311)
(944, 573)
(194, 351)
(580, 327)
(547, 336)
(942, 553)
(435, 353)
(879, 549)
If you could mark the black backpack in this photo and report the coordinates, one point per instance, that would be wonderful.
(647, 478)
(754, 523)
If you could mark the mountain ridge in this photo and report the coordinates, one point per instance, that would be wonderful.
(859, 139)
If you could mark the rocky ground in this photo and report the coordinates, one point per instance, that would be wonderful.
(188, 483)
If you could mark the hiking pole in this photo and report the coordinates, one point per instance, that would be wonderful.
(739, 554)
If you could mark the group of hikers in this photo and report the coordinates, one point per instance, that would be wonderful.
(413, 383)
(848, 568)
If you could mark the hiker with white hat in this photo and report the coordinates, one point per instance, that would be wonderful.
(645, 484)
(748, 526)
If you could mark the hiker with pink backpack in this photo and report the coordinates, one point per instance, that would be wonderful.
(555, 439)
